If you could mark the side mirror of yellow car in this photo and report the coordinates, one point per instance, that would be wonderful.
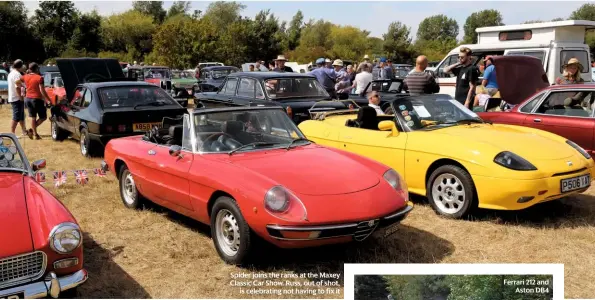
(388, 126)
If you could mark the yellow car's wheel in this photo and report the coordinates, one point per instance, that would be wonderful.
(451, 192)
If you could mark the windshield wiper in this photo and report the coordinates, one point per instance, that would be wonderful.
(255, 144)
(296, 140)
(154, 103)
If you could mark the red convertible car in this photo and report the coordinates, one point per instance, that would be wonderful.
(566, 110)
(40, 241)
(252, 175)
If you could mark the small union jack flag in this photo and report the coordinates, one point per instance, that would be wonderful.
(59, 178)
(40, 177)
(99, 172)
(81, 176)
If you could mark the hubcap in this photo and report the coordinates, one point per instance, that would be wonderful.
(448, 193)
(83, 145)
(228, 232)
(129, 189)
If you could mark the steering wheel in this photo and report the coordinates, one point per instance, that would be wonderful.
(153, 134)
(214, 136)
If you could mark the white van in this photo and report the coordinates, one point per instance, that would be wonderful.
(554, 43)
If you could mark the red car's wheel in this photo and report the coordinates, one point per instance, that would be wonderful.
(128, 192)
(231, 234)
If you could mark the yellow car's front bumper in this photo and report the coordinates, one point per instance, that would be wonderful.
(514, 194)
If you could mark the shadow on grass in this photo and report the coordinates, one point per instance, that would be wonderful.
(405, 244)
(569, 212)
(106, 278)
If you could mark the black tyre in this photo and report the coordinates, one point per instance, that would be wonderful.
(57, 133)
(128, 191)
(451, 192)
(231, 234)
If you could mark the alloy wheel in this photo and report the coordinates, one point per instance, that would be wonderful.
(448, 193)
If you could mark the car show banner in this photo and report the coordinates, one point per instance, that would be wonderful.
(59, 177)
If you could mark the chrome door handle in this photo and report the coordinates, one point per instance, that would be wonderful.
(152, 152)
(537, 120)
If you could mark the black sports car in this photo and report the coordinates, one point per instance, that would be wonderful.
(103, 104)
(297, 93)
(212, 77)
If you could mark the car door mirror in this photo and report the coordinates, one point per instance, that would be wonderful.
(175, 151)
(38, 165)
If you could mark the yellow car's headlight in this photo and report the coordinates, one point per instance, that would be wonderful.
(514, 162)
(579, 149)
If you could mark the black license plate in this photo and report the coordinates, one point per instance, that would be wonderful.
(20, 295)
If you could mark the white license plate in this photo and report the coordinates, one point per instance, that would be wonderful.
(14, 296)
(575, 183)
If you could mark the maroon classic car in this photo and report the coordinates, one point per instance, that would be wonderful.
(40, 241)
(566, 110)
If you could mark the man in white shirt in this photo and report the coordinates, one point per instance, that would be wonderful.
(16, 97)
(362, 80)
(374, 102)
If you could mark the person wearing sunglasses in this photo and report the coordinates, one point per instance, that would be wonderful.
(374, 102)
(467, 77)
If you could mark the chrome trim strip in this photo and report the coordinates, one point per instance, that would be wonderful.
(312, 239)
(40, 289)
(311, 228)
(17, 281)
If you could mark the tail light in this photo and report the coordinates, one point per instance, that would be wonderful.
(289, 112)
(121, 128)
(109, 128)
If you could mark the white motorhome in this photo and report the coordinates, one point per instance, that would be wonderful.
(552, 42)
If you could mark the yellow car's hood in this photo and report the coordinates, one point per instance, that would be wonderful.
(525, 144)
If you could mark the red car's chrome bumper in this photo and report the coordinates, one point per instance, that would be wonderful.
(359, 231)
(51, 286)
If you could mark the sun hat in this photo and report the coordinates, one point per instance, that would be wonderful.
(366, 56)
(328, 60)
(281, 57)
(320, 61)
(338, 62)
(574, 61)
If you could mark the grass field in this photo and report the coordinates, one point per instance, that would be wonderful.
(155, 253)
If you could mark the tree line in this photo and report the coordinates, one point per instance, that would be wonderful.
(180, 37)
(453, 287)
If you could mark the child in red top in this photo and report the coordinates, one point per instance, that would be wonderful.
(34, 97)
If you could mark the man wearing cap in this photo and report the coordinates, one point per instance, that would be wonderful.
(489, 77)
(343, 85)
(281, 67)
(326, 77)
(383, 71)
(16, 98)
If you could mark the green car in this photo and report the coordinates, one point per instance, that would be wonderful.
(183, 84)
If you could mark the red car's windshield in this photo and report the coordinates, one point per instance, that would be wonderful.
(10, 157)
(249, 130)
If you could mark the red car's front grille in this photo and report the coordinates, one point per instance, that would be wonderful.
(20, 268)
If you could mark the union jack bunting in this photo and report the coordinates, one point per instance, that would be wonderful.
(99, 172)
(59, 178)
(40, 177)
(81, 176)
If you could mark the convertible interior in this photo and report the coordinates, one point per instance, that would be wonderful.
(568, 104)
(220, 136)
(368, 119)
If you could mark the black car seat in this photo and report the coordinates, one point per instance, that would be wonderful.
(176, 133)
(366, 118)
(235, 129)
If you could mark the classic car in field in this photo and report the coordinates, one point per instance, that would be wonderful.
(55, 89)
(565, 110)
(48, 69)
(211, 78)
(103, 105)
(183, 84)
(41, 251)
(3, 87)
(159, 76)
(221, 167)
(448, 154)
(296, 93)
(388, 90)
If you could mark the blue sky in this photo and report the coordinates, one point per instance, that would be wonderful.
(374, 16)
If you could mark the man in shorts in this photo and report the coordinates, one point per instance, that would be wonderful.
(34, 98)
(15, 98)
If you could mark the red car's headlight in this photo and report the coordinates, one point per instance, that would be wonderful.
(397, 182)
(283, 204)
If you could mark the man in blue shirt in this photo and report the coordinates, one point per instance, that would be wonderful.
(489, 77)
(326, 77)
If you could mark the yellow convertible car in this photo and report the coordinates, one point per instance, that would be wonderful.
(458, 161)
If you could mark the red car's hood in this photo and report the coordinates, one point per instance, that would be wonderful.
(519, 77)
(15, 236)
(309, 170)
